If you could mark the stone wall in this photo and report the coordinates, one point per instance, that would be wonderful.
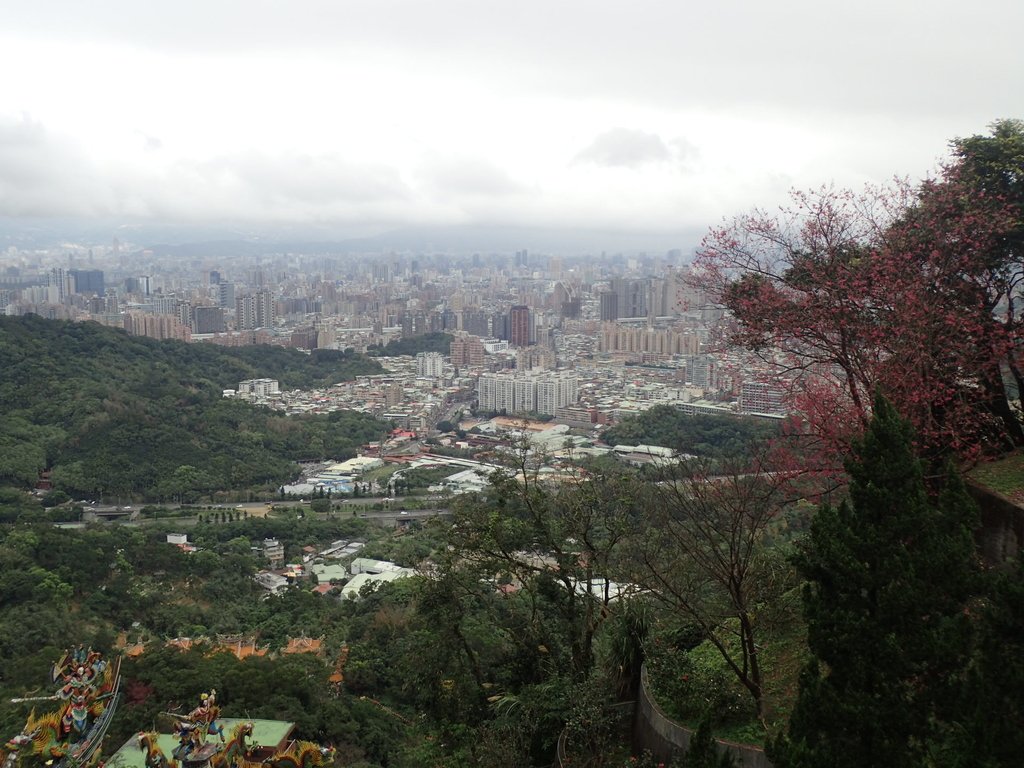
(1002, 525)
(654, 731)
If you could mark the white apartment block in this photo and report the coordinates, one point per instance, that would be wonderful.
(615, 337)
(494, 393)
(526, 394)
(758, 397)
(259, 387)
(430, 365)
(556, 392)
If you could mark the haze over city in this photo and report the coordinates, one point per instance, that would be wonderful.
(634, 125)
(388, 384)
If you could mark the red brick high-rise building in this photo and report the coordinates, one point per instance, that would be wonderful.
(519, 326)
(467, 351)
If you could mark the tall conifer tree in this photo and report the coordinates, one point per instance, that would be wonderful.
(890, 573)
(993, 708)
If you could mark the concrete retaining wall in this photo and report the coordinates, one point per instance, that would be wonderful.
(1002, 526)
(654, 731)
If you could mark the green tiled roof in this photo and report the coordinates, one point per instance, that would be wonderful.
(266, 733)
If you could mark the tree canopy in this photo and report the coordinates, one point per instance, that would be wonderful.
(701, 435)
(915, 290)
(890, 576)
(412, 345)
(115, 414)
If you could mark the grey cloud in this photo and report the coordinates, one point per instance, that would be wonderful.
(625, 148)
(42, 174)
(893, 55)
(46, 174)
(307, 179)
(467, 176)
(285, 187)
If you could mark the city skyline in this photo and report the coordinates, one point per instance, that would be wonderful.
(353, 120)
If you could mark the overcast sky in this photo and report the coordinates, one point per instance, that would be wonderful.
(631, 117)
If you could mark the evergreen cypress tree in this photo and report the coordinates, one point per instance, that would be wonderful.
(889, 575)
(994, 705)
(703, 753)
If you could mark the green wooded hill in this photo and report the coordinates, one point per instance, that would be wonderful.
(111, 413)
(712, 437)
(427, 342)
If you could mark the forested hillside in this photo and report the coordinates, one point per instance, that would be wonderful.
(707, 436)
(60, 588)
(427, 342)
(111, 413)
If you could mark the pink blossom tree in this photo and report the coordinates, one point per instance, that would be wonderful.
(911, 290)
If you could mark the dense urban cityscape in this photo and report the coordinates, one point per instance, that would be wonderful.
(389, 384)
(583, 341)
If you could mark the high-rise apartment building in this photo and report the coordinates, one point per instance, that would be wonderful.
(616, 337)
(245, 313)
(226, 294)
(208, 320)
(59, 286)
(609, 306)
(87, 281)
(430, 365)
(554, 392)
(501, 326)
(467, 351)
(632, 296)
(166, 304)
(476, 322)
(660, 298)
(494, 393)
(184, 310)
(700, 371)
(266, 312)
(155, 326)
(414, 324)
(526, 394)
(519, 326)
(255, 311)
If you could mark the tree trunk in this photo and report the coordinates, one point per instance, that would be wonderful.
(999, 406)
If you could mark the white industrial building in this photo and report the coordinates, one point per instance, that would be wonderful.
(366, 571)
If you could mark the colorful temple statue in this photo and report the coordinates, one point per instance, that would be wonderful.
(192, 729)
(155, 757)
(301, 754)
(70, 736)
(80, 675)
(205, 715)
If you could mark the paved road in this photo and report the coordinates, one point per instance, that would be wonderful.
(384, 516)
(398, 516)
(394, 515)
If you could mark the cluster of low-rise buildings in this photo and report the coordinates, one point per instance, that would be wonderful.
(631, 332)
(337, 568)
